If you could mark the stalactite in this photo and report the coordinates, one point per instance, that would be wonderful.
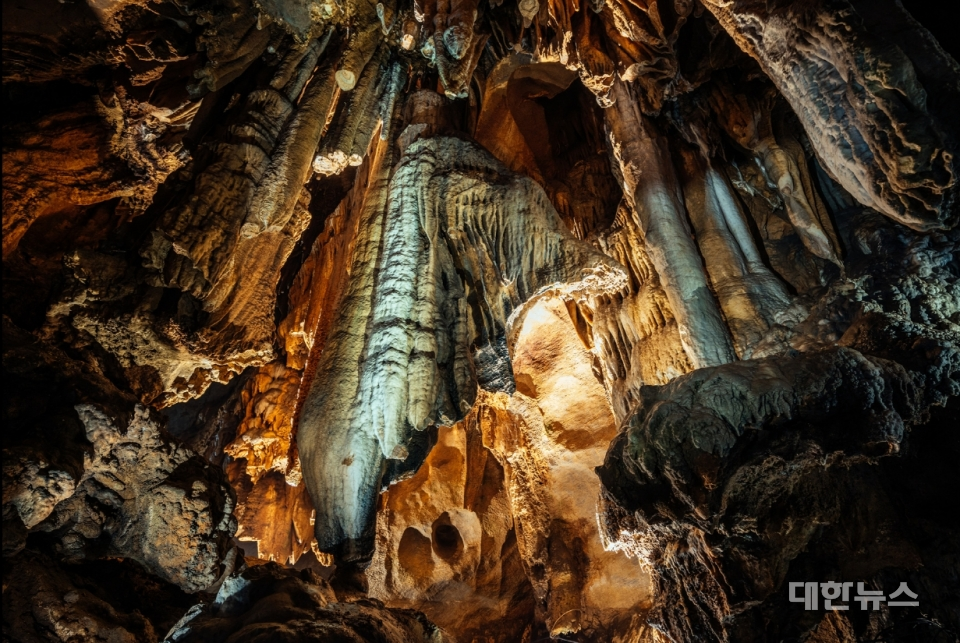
(351, 129)
(589, 320)
(751, 297)
(750, 124)
(447, 237)
(342, 493)
(225, 189)
(275, 199)
(635, 337)
(365, 35)
(653, 192)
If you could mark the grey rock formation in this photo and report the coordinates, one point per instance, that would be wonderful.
(96, 472)
(733, 481)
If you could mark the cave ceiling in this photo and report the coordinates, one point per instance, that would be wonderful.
(480, 321)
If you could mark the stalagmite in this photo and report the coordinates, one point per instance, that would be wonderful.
(651, 187)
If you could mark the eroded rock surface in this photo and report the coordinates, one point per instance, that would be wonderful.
(268, 602)
(780, 467)
(446, 536)
(486, 235)
(91, 601)
(865, 109)
(95, 472)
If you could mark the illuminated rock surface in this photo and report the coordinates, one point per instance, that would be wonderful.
(478, 321)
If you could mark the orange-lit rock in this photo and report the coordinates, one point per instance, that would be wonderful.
(525, 463)
(264, 437)
(273, 507)
(96, 150)
(563, 425)
(448, 224)
(445, 536)
(321, 280)
(274, 514)
(634, 337)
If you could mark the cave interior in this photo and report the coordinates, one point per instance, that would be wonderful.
(480, 321)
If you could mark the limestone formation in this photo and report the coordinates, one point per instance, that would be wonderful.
(863, 113)
(652, 190)
(101, 148)
(273, 508)
(752, 298)
(634, 337)
(485, 234)
(97, 473)
(489, 322)
(209, 246)
(549, 453)
(751, 126)
(828, 421)
(90, 601)
(446, 535)
(441, 535)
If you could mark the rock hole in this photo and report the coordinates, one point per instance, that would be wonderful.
(414, 555)
(447, 543)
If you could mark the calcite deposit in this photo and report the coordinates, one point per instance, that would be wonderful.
(480, 321)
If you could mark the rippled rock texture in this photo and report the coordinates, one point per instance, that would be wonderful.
(474, 321)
